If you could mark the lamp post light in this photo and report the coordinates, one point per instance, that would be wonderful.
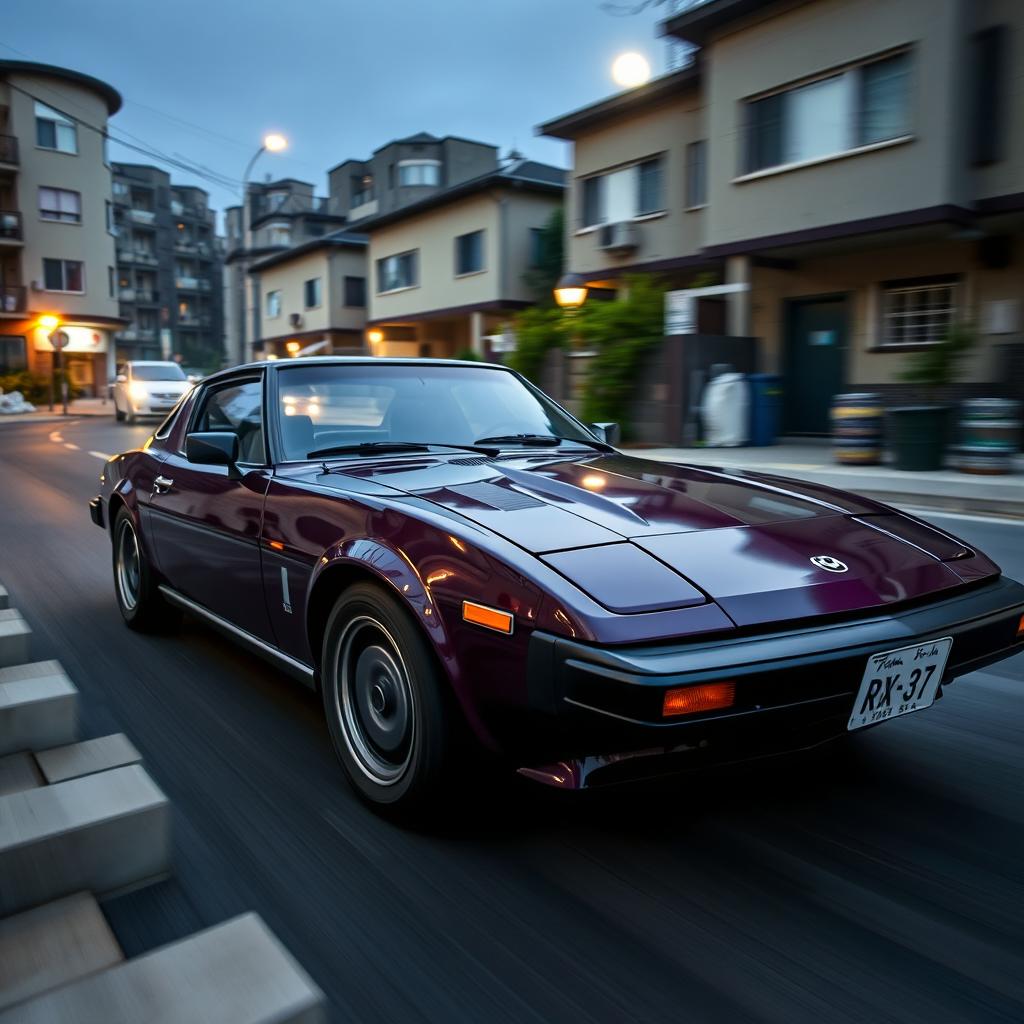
(571, 291)
(273, 142)
(293, 348)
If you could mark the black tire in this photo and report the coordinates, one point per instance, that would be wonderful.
(390, 714)
(135, 586)
(118, 415)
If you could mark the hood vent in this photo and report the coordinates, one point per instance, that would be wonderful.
(503, 498)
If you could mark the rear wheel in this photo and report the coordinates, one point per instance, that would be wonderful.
(388, 710)
(135, 587)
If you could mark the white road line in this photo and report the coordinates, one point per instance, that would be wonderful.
(929, 513)
(72, 447)
(55, 436)
(100, 455)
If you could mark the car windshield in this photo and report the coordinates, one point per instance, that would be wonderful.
(157, 371)
(322, 406)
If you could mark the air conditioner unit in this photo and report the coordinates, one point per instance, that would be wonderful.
(619, 238)
(37, 286)
(295, 319)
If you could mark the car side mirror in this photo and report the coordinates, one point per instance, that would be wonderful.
(120, 379)
(213, 448)
(610, 433)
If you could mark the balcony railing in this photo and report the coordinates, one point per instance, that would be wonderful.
(366, 195)
(126, 295)
(137, 334)
(12, 298)
(142, 216)
(145, 259)
(187, 283)
(8, 149)
(193, 321)
(147, 296)
(10, 226)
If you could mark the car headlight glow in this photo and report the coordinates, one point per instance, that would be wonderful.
(138, 391)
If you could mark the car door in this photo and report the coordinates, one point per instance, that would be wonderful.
(206, 520)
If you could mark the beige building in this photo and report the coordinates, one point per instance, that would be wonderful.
(448, 272)
(854, 167)
(313, 297)
(56, 221)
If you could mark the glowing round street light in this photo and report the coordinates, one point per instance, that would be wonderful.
(293, 347)
(49, 323)
(630, 70)
(374, 336)
(571, 291)
(275, 142)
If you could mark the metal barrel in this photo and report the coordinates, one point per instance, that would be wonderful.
(990, 430)
(857, 429)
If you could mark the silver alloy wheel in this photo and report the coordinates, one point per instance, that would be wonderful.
(129, 572)
(374, 700)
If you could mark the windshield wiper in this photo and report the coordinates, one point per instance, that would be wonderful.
(544, 441)
(383, 447)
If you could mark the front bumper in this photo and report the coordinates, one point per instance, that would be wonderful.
(794, 688)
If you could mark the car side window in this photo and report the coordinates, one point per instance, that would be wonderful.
(236, 408)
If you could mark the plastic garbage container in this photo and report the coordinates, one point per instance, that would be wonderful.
(726, 410)
(765, 400)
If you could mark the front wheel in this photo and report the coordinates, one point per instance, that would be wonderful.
(388, 710)
(135, 587)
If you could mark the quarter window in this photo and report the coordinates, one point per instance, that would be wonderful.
(311, 293)
(273, 304)
(60, 204)
(469, 253)
(399, 271)
(918, 312)
(54, 130)
(236, 409)
(63, 276)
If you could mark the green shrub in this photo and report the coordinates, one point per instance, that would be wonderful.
(468, 354)
(35, 387)
(538, 330)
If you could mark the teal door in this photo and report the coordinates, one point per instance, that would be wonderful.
(814, 363)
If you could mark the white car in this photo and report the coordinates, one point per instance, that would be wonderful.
(147, 388)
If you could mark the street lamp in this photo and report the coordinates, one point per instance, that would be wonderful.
(631, 70)
(571, 291)
(374, 336)
(273, 142)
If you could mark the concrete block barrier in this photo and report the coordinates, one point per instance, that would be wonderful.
(38, 707)
(101, 833)
(52, 945)
(14, 634)
(86, 758)
(19, 772)
(233, 973)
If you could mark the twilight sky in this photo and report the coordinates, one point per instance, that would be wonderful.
(205, 79)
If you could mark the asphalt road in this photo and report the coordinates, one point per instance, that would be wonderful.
(889, 887)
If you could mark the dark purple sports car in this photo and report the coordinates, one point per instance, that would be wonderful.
(457, 563)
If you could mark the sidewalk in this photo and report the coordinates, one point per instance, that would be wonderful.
(944, 490)
(79, 407)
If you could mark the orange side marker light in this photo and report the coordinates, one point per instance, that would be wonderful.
(491, 618)
(688, 700)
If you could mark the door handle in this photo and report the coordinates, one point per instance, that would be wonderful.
(162, 484)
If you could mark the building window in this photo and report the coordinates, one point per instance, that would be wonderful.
(399, 271)
(419, 172)
(120, 188)
(857, 107)
(649, 196)
(536, 248)
(593, 201)
(696, 174)
(109, 211)
(111, 281)
(469, 253)
(311, 293)
(273, 304)
(355, 292)
(63, 276)
(55, 131)
(12, 354)
(988, 95)
(918, 312)
(279, 234)
(60, 204)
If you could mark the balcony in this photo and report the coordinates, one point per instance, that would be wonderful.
(12, 298)
(138, 257)
(146, 297)
(194, 320)
(126, 295)
(137, 334)
(192, 284)
(9, 150)
(147, 217)
(10, 226)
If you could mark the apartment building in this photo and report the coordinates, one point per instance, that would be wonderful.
(313, 297)
(850, 170)
(448, 272)
(168, 269)
(56, 221)
(277, 215)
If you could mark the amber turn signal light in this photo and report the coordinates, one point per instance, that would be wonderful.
(688, 700)
(492, 618)
(1020, 628)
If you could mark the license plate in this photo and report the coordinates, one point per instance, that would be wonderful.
(898, 682)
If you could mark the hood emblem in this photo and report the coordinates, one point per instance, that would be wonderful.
(829, 564)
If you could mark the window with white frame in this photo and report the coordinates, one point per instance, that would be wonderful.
(311, 293)
(918, 312)
(60, 204)
(398, 271)
(273, 304)
(54, 130)
(63, 276)
(623, 194)
(419, 172)
(857, 106)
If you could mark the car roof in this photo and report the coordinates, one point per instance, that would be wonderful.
(151, 362)
(279, 364)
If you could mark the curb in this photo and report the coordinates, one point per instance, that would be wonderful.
(81, 819)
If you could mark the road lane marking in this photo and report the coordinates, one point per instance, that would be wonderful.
(101, 455)
(72, 447)
(55, 436)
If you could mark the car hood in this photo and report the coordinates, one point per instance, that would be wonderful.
(742, 540)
